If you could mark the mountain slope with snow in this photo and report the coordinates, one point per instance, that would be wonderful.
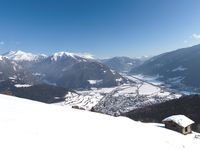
(186, 105)
(23, 56)
(1, 57)
(75, 71)
(121, 64)
(63, 54)
(179, 68)
(64, 69)
(8, 69)
(33, 125)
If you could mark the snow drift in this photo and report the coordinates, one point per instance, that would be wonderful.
(26, 124)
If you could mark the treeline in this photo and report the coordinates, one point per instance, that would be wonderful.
(186, 105)
(41, 92)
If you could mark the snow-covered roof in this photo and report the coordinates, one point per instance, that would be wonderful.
(181, 120)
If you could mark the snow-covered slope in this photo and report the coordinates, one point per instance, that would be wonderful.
(63, 54)
(121, 64)
(32, 125)
(23, 56)
(64, 69)
(72, 71)
(19, 56)
(1, 57)
(8, 69)
(179, 68)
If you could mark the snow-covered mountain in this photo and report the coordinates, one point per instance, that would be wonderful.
(122, 64)
(1, 58)
(64, 69)
(11, 70)
(20, 56)
(32, 125)
(8, 68)
(63, 55)
(144, 58)
(74, 71)
(178, 68)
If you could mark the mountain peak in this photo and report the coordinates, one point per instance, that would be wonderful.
(19, 55)
(1, 57)
(61, 54)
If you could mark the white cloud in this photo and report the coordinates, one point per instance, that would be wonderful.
(196, 36)
(2, 43)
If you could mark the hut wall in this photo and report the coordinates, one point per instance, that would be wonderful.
(187, 130)
(173, 126)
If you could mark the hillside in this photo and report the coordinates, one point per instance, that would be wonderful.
(40, 92)
(33, 125)
(187, 105)
(121, 64)
(63, 69)
(179, 68)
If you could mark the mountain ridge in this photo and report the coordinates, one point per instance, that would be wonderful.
(64, 69)
(177, 68)
(20, 56)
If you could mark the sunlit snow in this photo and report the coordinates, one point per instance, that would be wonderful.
(29, 125)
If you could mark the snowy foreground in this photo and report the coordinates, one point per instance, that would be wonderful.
(29, 125)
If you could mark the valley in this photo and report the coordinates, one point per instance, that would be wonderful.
(110, 86)
(100, 74)
(120, 99)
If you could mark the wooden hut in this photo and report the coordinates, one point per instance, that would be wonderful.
(179, 123)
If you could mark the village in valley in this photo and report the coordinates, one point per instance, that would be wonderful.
(120, 99)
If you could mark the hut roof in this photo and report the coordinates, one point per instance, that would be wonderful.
(181, 120)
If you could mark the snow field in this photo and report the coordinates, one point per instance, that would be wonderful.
(25, 124)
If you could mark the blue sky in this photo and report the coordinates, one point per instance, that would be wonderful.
(104, 28)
